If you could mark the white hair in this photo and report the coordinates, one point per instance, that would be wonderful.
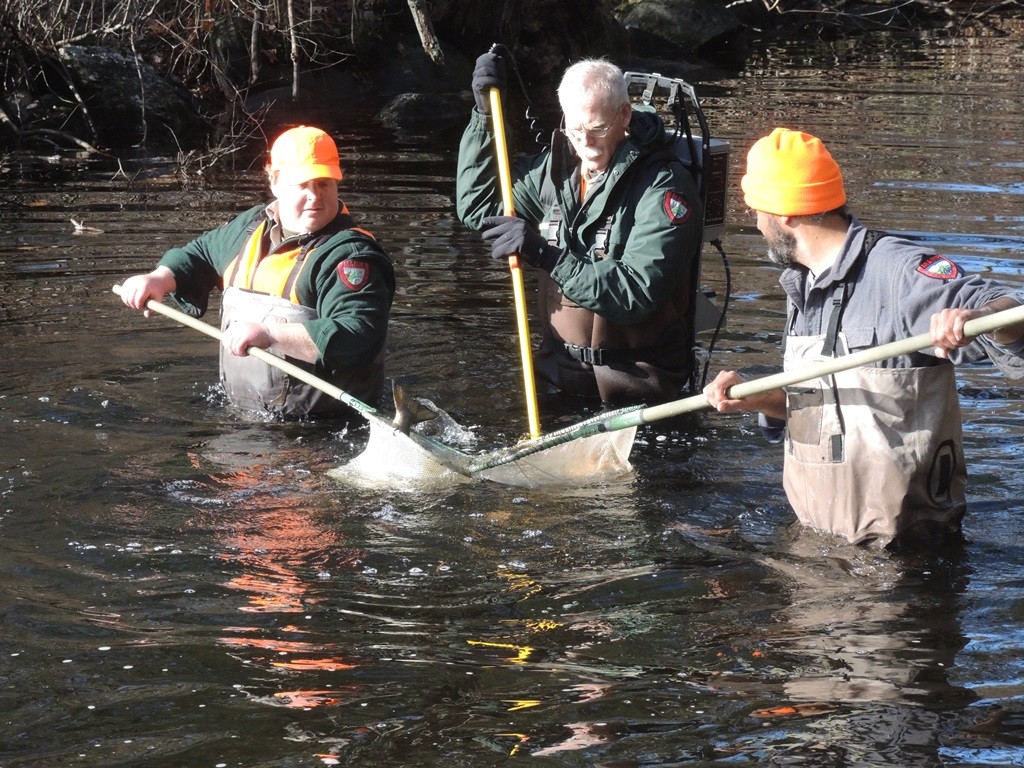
(593, 79)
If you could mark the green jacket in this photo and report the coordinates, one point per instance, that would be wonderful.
(351, 325)
(630, 251)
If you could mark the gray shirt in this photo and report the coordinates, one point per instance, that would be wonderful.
(891, 295)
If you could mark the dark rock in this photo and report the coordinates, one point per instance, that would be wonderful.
(682, 29)
(543, 37)
(121, 94)
(327, 96)
(411, 70)
(419, 113)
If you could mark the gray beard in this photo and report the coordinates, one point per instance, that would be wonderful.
(783, 257)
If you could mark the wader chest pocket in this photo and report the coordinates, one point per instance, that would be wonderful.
(805, 411)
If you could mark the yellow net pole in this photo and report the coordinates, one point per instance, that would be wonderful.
(518, 293)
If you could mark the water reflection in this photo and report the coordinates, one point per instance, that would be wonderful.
(273, 544)
(868, 647)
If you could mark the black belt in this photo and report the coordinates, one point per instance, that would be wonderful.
(601, 356)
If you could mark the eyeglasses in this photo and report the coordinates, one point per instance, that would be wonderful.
(595, 133)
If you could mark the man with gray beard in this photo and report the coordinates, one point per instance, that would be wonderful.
(874, 454)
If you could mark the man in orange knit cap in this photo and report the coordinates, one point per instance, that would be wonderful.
(299, 279)
(874, 454)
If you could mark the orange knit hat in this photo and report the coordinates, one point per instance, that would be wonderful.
(302, 154)
(790, 173)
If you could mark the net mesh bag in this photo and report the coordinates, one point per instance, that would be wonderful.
(572, 463)
(414, 462)
(396, 459)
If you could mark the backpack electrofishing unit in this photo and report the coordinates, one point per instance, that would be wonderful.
(705, 157)
(707, 160)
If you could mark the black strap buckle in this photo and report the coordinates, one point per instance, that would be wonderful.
(588, 355)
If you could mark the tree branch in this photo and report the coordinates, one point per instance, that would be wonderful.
(431, 45)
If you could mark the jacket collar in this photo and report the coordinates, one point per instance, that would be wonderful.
(339, 223)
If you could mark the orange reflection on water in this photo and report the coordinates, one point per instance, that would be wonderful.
(277, 551)
(280, 648)
(278, 590)
(270, 644)
(328, 664)
(308, 699)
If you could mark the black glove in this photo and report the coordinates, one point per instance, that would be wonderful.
(510, 234)
(489, 73)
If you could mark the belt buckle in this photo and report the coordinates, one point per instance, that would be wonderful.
(587, 355)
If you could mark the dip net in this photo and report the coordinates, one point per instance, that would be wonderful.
(580, 461)
(395, 459)
(417, 461)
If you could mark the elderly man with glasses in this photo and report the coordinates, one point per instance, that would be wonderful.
(611, 220)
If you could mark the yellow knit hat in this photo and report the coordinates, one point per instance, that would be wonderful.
(304, 153)
(790, 173)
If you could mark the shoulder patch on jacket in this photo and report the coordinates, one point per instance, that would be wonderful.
(939, 267)
(354, 273)
(676, 207)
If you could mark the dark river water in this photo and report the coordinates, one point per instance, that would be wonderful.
(179, 587)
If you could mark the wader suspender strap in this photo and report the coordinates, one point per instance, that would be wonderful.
(235, 266)
(259, 223)
(549, 231)
(289, 284)
(871, 238)
(832, 334)
(790, 322)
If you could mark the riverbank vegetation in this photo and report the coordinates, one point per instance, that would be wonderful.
(188, 63)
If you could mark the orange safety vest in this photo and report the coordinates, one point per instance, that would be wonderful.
(275, 274)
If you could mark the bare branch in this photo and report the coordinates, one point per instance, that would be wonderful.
(67, 137)
(295, 49)
(429, 40)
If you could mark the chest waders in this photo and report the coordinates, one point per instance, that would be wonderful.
(654, 360)
(584, 353)
(261, 289)
(874, 455)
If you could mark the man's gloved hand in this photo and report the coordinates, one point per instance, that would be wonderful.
(510, 234)
(489, 73)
